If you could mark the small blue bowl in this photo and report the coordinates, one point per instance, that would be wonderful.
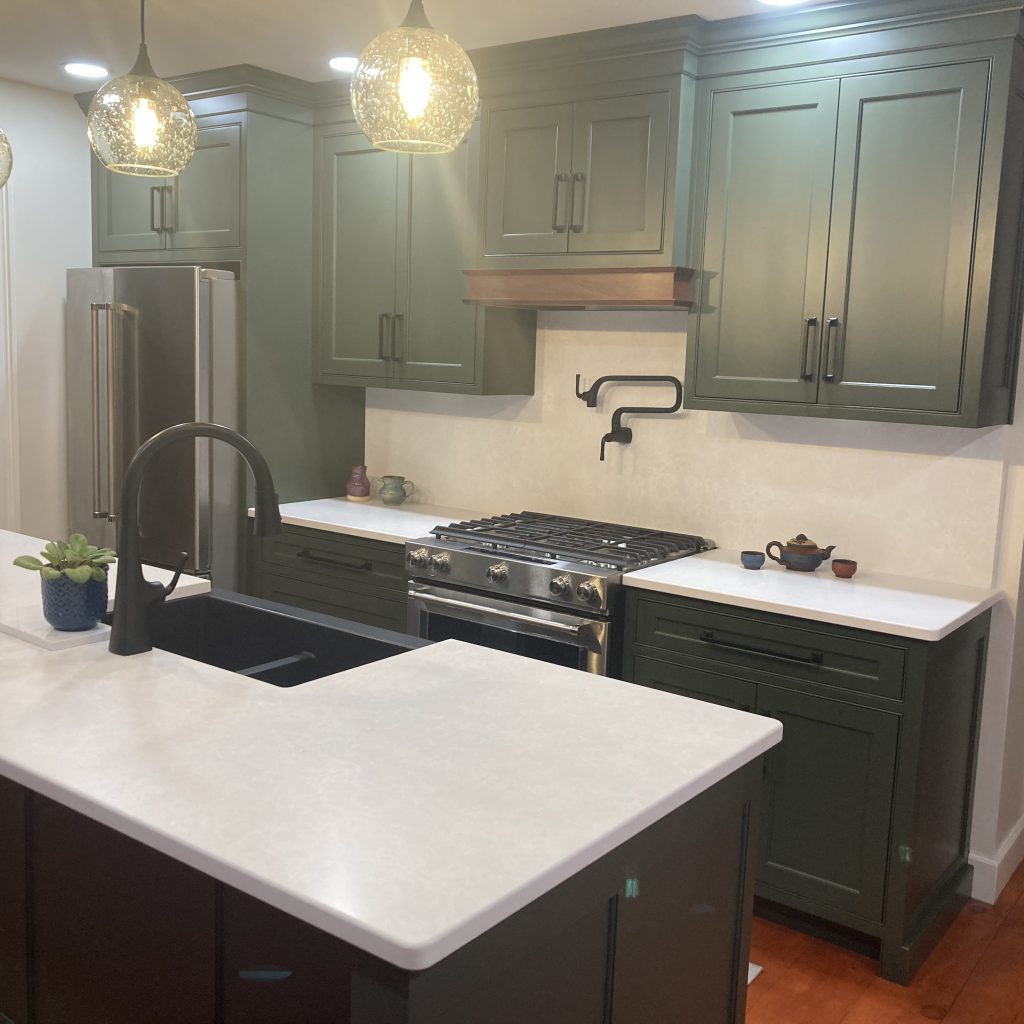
(752, 559)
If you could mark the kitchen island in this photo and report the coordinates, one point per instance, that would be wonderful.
(463, 835)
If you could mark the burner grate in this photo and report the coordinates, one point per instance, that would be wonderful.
(578, 540)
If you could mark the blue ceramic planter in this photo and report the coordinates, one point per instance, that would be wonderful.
(71, 606)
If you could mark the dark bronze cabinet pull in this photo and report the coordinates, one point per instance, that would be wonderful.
(338, 563)
(577, 226)
(810, 323)
(382, 332)
(559, 180)
(397, 335)
(831, 334)
(814, 658)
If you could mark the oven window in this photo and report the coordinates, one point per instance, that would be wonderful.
(443, 627)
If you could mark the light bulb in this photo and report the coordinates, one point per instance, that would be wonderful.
(414, 86)
(145, 124)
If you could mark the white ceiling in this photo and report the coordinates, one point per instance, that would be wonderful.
(295, 37)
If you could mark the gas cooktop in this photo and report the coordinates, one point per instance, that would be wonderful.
(538, 557)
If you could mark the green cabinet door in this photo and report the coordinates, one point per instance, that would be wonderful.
(435, 331)
(828, 802)
(619, 174)
(128, 211)
(768, 181)
(907, 174)
(529, 172)
(359, 256)
(207, 195)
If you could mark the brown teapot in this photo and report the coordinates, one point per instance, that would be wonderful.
(800, 554)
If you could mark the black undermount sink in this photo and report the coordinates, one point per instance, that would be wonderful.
(271, 642)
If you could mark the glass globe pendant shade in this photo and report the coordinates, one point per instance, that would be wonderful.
(6, 159)
(415, 89)
(139, 124)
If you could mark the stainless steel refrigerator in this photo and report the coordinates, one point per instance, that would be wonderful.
(148, 347)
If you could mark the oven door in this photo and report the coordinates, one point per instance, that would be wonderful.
(559, 638)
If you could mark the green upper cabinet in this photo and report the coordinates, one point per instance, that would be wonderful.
(200, 209)
(127, 211)
(619, 174)
(585, 178)
(841, 245)
(396, 233)
(359, 257)
(529, 170)
(907, 176)
(768, 201)
(207, 195)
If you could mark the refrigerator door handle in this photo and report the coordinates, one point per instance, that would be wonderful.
(97, 480)
(112, 449)
(118, 367)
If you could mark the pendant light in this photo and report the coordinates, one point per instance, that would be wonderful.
(6, 159)
(415, 89)
(140, 124)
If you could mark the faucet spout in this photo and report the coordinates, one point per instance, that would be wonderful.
(135, 595)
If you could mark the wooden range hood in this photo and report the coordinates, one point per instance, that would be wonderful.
(596, 288)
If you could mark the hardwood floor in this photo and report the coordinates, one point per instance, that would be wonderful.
(974, 976)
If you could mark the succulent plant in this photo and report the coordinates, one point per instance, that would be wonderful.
(75, 558)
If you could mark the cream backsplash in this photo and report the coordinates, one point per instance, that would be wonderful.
(924, 501)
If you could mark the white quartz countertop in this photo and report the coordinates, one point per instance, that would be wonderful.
(405, 806)
(371, 519)
(881, 602)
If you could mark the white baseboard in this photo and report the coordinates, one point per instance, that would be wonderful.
(992, 873)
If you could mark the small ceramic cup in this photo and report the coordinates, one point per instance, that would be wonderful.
(844, 568)
(752, 559)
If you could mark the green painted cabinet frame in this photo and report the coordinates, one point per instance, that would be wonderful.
(867, 805)
(836, 276)
(395, 233)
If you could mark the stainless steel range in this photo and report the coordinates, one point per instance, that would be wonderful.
(545, 586)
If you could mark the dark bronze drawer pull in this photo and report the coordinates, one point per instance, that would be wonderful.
(814, 658)
(338, 563)
(264, 974)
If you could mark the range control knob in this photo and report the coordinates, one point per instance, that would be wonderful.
(497, 573)
(587, 591)
(441, 562)
(561, 586)
(419, 558)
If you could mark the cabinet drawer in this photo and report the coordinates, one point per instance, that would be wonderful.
(334, 560)
(694, 682)
(764, 647)
(370, 607)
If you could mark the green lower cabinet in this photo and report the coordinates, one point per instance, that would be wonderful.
(865, 818)
(828, 802)
(348, 577)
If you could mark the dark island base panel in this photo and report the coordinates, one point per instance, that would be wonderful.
(98, 927)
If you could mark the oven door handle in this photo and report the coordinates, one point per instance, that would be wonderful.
(582, 632)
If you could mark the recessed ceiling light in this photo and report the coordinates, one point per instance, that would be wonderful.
(346, 64)
(86, 70)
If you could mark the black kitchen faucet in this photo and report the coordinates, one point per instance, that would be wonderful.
(135, 595)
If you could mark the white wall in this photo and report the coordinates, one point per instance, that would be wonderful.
(923, 501)
(46, 230)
